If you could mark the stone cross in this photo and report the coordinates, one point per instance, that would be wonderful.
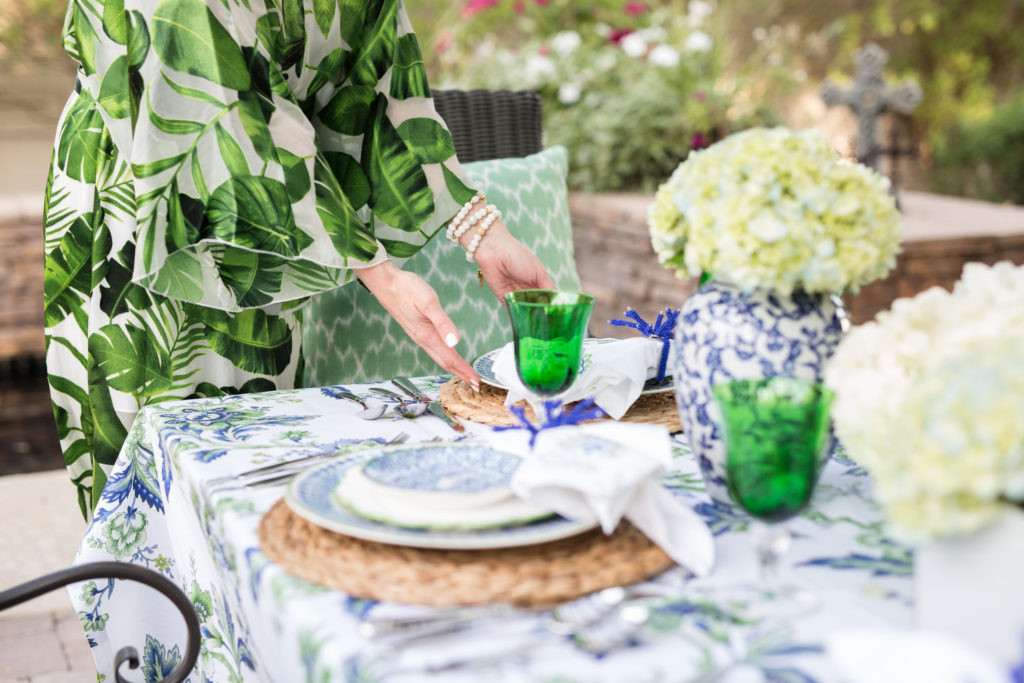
(869, 97)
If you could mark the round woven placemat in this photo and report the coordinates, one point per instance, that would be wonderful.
(533, 576)
(488, 406)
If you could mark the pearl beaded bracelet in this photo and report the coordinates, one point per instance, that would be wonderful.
(492, 214)
(455, 226)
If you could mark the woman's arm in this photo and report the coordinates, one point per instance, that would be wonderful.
(506, 264)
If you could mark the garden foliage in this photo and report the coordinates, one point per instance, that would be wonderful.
(630, 88)
(984, 159)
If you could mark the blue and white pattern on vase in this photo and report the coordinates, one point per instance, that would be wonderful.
(725, 334)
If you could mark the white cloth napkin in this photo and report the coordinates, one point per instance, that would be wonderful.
(614, 376)
(607, 471)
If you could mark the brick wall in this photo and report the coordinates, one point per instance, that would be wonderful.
(929, 263)
(21, 276)
(616, 262)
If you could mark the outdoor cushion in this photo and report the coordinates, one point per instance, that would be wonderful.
(349, 337)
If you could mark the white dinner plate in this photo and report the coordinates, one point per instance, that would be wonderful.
(310, 496)
(484, 366)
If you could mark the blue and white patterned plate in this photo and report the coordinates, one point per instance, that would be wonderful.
(443, 468)
(484, 366)
(310, 496)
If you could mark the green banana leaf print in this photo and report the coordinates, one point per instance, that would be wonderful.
(207, 180)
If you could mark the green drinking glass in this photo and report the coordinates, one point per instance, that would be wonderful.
(548, 327)
(776, 441)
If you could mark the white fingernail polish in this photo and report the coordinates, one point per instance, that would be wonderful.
(451, 339)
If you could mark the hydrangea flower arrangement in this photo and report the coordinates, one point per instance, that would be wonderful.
(930, 400)
(770, 208)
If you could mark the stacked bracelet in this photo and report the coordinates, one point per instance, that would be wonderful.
(491, 214)
(460, 224)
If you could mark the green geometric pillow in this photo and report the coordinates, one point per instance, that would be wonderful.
(348, 336)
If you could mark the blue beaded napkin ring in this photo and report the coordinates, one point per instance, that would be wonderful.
(662, 329)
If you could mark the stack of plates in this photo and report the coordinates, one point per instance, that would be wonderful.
(453, 496)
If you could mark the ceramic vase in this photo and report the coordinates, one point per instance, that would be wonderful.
(725, 333)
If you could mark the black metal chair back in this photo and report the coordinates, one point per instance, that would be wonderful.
(119, 570)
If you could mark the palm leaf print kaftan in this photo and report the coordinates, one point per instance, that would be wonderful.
(218, 162)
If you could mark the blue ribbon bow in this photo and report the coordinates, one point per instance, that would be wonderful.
(555, 416)
(662, 330)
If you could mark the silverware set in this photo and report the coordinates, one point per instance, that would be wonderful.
(281, 472)
(415, 405)
(597, 623)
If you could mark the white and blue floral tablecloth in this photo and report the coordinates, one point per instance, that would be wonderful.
(161, 509)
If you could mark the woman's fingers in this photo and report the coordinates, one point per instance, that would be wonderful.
(414, 305)
(440, 338)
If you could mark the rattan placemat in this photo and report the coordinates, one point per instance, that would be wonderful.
(534, 576)
(488, 406)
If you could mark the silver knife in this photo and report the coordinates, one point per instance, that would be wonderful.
(433, 405)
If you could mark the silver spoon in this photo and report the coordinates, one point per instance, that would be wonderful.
(405, 407)
(372, 411)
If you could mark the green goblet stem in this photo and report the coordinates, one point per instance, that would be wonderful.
(771, 542)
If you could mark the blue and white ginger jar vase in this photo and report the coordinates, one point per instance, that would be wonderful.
(724, 334)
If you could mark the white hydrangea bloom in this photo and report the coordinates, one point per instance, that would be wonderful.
(537, 69)
(664, 55)
(698, 41)
(653, 34)
(929, 398)
(634, 45)
(698, 11)
(565, 42)
(569, 93)
(772, 209)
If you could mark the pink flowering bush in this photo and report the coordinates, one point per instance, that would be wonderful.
(630, 87)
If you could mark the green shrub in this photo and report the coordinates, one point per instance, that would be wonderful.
(983, 159)
(630, 89)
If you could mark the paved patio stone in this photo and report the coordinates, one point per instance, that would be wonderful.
(26, 625)
(41, 531)
(76, 647)
(65, 677)
(31, 654)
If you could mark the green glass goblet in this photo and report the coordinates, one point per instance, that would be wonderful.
(776, 441)
(548, 327)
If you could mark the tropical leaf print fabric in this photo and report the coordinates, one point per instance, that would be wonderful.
(217, 163)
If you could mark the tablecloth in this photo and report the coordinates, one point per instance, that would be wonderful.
(170, 505)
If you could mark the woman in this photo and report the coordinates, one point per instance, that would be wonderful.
(218, 163)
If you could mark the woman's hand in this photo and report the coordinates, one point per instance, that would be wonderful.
(507, 265)
(413, 303)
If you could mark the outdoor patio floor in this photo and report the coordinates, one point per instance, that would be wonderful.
(41, 641)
